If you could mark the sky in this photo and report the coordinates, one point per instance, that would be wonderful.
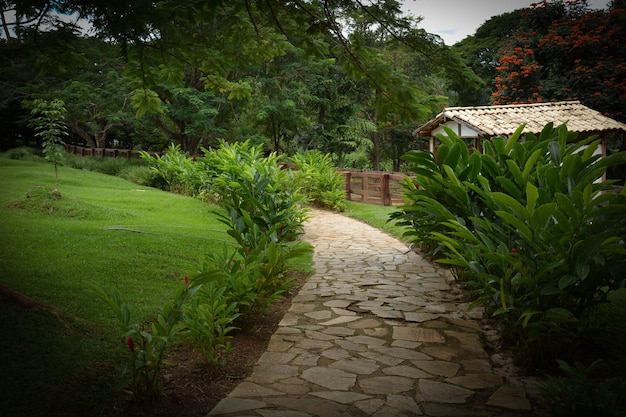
(453, 20)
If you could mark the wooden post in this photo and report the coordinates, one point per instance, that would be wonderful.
(347, 176)
(384, 190)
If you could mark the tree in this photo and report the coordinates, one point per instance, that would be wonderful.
(481, 52)
(565, 51)
(49, 124)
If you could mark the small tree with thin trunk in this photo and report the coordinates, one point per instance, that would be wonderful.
(49, 124)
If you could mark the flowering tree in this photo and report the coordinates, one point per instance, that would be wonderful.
(565, 51)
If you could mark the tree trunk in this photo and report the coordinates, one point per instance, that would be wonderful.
(78, 129)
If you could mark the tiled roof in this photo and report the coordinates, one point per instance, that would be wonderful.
(504, 120)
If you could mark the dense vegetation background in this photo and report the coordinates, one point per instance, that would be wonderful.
(339, 76)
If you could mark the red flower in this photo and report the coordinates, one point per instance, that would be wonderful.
(513, 250)
(186, 280)
(131, 344)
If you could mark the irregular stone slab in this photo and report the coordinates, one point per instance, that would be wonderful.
(469, 341)
(289, 319)
(341, 397)
(278, 344)
(330, 378)
(406, 371)
(306, 359)
(319, 315)
(419, 317)
(235, 405)
(276, 357)
(339, 320)
(366, 340)
(249, 389)
(440, 368)
(417, 334)
(351, 346)
(312, 344)
(432, 391)
(476, 381)
(465, 323)
(512, 397)
(282, 413)
(377, 332)
(386, 313)
(476, 365)
(338, 303)
(291, 386)
(339, 331)
(403, 403)
(313, 406)
(336, 354)
(356, 366)
(369, 407)
(301, 308)
(446, 410)
(385, 385)
(268, 373)
(384, 359)
(402, 353)
(314, 334)
(444, 353)
(365, 324)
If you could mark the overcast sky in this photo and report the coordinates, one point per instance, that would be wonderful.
(453, 20)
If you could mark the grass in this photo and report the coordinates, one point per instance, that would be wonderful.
(376, 216)
(94, 228)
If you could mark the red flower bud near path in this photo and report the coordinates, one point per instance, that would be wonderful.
(186, 280)
(131, 344)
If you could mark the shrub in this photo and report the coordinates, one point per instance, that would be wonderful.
(22, 153)
(579, 393)
(138, 174)
(147, 345)
(319, 180)
(528, 227)
(174, 171)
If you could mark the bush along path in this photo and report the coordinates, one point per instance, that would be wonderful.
(376, 332)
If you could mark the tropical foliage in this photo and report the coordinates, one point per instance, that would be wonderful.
(528, 226)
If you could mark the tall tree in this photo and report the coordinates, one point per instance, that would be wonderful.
(565, 51)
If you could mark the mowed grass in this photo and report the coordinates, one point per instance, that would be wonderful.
(376, 216)
(53, 245)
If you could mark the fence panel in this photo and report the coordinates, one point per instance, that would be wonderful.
(374, 187)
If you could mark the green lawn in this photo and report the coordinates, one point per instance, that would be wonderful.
(99, 228)
(376, 216)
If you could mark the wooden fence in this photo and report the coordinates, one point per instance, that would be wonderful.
(103, 152)
(374, 187)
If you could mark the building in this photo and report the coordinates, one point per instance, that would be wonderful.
(475, 124)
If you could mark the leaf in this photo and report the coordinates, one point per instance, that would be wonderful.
(555, 153)
(567, 281)
(516, 224)
(532, 194)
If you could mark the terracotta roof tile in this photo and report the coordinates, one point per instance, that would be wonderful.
(504, 120)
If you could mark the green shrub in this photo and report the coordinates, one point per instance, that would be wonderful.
(319, 180)
(139, 174)
(579, 393)
(174, 171)
(23, 153)
(528, 227)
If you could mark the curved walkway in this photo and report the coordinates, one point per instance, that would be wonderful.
(375, 332)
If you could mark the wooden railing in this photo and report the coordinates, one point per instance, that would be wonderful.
(374, 187)
(103, 152)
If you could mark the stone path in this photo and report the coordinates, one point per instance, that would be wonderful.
(375, 332)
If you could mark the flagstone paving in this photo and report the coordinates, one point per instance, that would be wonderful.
(375, 332)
